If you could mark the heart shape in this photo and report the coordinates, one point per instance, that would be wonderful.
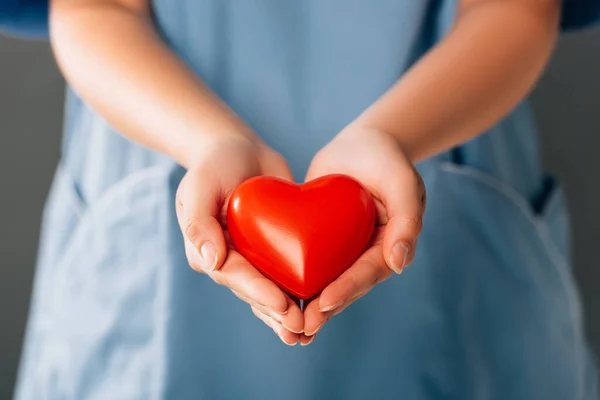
(301, 236)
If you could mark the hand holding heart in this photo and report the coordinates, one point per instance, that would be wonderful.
(372, 158)
(375, 159)
(202, 199)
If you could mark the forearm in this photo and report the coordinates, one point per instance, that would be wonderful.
(110, 53)
(483, 68)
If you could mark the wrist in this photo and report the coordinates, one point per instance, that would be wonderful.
(199, 146)
(372, 132)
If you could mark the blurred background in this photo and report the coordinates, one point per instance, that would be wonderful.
(567, 103)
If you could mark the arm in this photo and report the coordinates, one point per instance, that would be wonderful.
(483, 68)
(489, 61)
(110, 53)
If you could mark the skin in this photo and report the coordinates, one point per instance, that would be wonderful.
(490, 60)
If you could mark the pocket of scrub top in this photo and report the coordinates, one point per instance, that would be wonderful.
(546, 215)
(62, 212)
(501, 259)
(531, 238)
(103, 330)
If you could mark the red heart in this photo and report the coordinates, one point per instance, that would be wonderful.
(301, 236)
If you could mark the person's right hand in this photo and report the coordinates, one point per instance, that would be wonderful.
(202, 199)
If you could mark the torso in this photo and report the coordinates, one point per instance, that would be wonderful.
(487, 310)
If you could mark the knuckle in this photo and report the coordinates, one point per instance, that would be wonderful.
(349, 284)
(414, 223)
(375, 277)
(190, 228)
(195, 229)
(379, 275)
(376, 272)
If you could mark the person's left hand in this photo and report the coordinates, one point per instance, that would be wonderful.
(377, 160)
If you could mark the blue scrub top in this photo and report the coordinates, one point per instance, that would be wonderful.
(29, 18)
(24, 18)
(488, 310)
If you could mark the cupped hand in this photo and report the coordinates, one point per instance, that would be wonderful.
(377, 160)
(202, 199)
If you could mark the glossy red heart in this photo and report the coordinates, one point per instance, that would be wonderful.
(301, 236)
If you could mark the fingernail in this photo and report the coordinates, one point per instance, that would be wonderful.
(331, 307)
(309, 341)
(279, 333)
(399, 257)
(208, 254)
(290, 329)
(286, 343)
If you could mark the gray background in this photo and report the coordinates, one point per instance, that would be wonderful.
(567, 103)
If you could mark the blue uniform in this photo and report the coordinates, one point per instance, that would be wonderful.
(488, 310)
(24, 18)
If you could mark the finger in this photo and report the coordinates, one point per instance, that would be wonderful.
(239, 275)
(314, 319)
(286, 336)
(199, 199)
(292, 320)
(405, 205)
(192, 255)
(369, 270)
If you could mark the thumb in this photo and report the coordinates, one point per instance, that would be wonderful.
(405, 205)
(199, 199)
